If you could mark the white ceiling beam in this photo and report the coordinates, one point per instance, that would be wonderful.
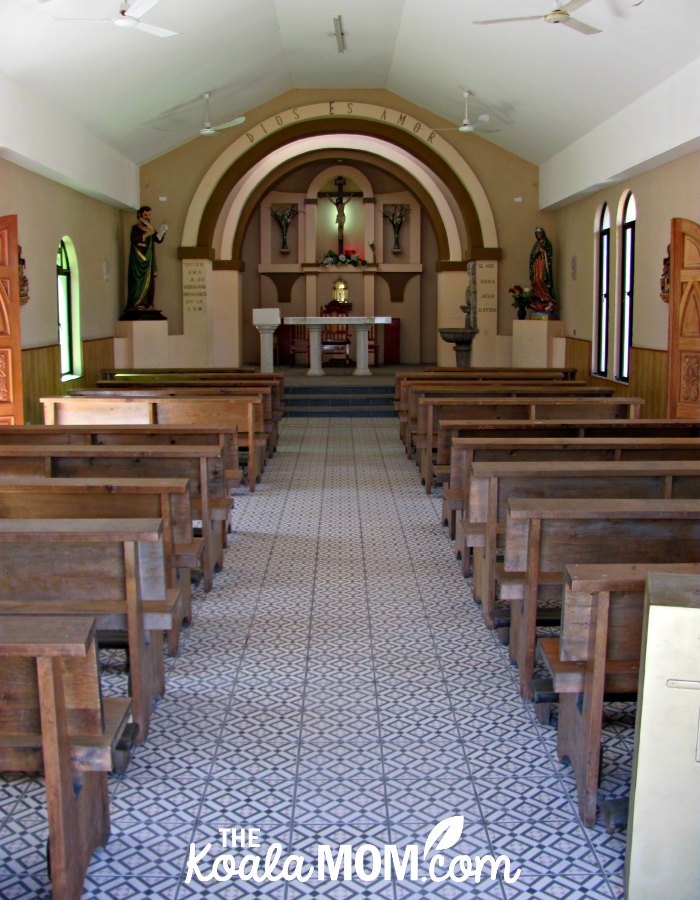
(660, 126)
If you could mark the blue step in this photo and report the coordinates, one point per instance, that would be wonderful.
(340, 389)
(339, 400)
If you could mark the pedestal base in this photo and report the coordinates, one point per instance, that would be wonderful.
(144, 344)
(142, 315)
(538, 343)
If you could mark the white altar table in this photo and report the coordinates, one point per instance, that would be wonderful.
(316, 324)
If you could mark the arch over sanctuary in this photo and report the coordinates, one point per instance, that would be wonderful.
(450, 193)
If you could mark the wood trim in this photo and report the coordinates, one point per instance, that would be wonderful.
(648, 375)
(195, 253)
(42, 373)
(233, 265)
(446, 265)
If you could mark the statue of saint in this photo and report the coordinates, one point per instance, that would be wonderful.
(142, 266)
(541, 275)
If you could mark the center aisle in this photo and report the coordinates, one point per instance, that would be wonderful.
(338, 687)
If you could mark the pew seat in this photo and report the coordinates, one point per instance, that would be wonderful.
(110, 569)
(54, 720)
(543, 536)
(596, 660)
(93, 498)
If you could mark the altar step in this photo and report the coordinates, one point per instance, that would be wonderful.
(337, 400)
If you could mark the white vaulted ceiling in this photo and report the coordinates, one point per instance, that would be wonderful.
(545, 86)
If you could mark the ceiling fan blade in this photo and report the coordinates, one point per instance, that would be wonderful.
(155, 30)
(239, 120)
(484, 117)
(498, 21)
(140, 7)
(573, 5)
(581, 27)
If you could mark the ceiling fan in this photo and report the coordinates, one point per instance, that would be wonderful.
(129, 16)
(469, 126)
(558, 15)
(209, 130)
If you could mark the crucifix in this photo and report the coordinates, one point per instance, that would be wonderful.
(340, 199)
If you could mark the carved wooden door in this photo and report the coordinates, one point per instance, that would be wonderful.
(11, 409)
(684, 321)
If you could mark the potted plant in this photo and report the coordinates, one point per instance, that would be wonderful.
(521, 299)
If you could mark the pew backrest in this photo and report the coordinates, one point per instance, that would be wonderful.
(543, 536)
(53, 719)
(583, 582)
(467, 450)
(112, 569)
(243, 413)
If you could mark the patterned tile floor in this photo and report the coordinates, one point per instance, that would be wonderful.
(337, 687)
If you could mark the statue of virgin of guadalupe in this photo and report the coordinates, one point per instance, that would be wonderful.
(541, 275)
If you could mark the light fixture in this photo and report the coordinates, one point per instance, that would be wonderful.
(339, 34)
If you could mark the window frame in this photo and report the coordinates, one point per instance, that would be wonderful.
(601, 351)
(68, 311)
(625, 296)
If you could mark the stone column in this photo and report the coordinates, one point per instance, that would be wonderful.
(315, 352)
(266, 321)
(267, 352)
(361, 348)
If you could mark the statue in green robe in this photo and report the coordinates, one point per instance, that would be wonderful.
(142, 267)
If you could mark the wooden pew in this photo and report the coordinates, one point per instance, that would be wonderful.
(112, 569)
(405, 387)
(218, 435)
(201, 466)
(553, 373)
(167, 499)
(409, 425)
(413, 392)
(53, 719)
(493, 484)
(454, 373)
(184, 370)
(596, 658)
(450, 429)
(544, 536)
(537, 407)
(203, 380)
(511, 447)
(133, 434)
(190, 391)
(244, 414)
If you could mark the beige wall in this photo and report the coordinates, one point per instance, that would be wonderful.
(46, 212)
(672, 190)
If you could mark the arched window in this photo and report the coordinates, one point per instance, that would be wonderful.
(625, 300)
(68, 307)
(602, 304)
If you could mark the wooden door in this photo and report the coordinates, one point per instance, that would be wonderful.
(684, 321)
(11, 409)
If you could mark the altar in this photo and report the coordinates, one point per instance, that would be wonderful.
(361, 326)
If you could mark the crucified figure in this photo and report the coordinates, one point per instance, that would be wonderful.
(340, 199)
